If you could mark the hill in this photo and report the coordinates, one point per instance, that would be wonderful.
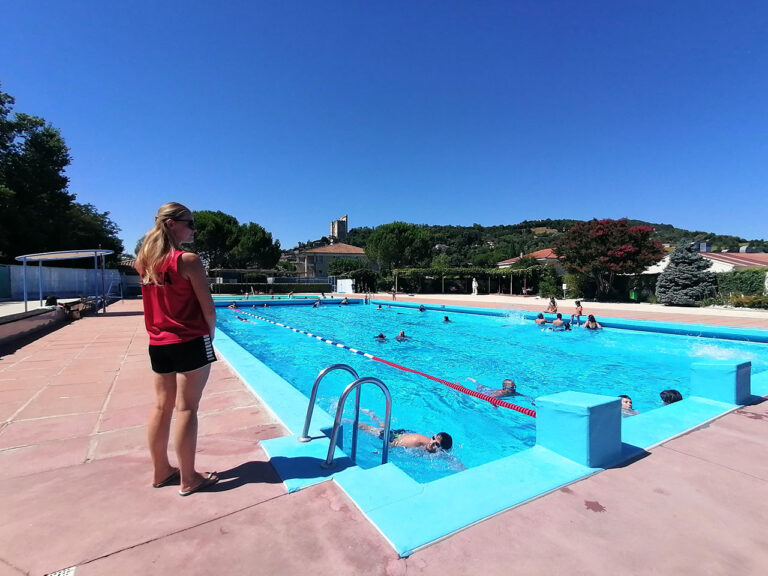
(478, 245)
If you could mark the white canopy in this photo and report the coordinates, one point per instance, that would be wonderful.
(62, 255)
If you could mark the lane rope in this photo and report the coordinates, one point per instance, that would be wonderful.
(454, 385)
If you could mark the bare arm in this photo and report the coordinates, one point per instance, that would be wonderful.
(192, 269)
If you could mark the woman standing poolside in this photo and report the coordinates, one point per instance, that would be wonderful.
(180, 318)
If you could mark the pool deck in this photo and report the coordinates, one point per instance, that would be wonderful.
(76, 480)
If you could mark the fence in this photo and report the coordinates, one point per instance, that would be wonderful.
(61, 282)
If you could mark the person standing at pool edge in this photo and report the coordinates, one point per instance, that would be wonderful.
(180, 318)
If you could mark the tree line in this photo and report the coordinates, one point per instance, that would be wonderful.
(38, 213)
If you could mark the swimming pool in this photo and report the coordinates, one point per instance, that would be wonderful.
(485, 348)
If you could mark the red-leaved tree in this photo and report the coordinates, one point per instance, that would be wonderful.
(600, 249)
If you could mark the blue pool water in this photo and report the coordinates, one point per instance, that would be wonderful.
(485, 348)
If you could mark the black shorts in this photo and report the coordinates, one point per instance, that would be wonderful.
(393, 434)
(184, 357)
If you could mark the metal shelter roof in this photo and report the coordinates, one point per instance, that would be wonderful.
(64, 255)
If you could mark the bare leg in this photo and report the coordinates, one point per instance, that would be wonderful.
(190, 389)
(373, 416)
(159, 426)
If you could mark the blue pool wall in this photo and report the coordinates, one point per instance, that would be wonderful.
(410, 515)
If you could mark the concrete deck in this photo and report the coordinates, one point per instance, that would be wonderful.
(76, 481)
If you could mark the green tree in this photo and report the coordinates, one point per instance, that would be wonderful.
(340, 266)
(398, 244)
(686, 281)
(37, 211)
(216, 236)
(255, 248)
(441, 262)
(87, 227)
(222, 242)
(600, 249)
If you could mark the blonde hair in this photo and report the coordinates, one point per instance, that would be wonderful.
(159, 242)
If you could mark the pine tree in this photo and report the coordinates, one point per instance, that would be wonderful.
(686, 281)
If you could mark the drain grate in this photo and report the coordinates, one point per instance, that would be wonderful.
(65, 572)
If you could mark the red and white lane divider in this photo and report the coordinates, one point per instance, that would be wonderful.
(454, 385)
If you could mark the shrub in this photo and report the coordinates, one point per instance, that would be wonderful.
(750, 301)
(686, 281)
(745, 282)
(576, 284)
(550, 284)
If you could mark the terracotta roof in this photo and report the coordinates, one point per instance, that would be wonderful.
(545, 254)
(337, 248)
(738, 259)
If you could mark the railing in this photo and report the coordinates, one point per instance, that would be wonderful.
(355, 385)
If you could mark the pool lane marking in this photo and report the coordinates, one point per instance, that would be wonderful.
(455, 386)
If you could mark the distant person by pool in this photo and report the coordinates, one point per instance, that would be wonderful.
(552, 306)
(576, 316)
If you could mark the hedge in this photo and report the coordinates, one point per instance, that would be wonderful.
(749, 282)
(240, 288)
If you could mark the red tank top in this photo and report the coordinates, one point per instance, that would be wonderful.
(172, 313)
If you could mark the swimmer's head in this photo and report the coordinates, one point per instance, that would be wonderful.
(508, 384)
(440, 441)
(540, 315)
(670, 396)
(626, 402)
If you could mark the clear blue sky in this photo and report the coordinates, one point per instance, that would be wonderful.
(292, 114)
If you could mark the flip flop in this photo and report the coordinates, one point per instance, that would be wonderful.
(209, 480)
(172, 478)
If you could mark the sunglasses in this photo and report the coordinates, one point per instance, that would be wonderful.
(190, 223)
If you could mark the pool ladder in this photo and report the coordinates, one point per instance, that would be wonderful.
(355, 385)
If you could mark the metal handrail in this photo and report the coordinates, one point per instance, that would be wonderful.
(340, 410)
(323, 373)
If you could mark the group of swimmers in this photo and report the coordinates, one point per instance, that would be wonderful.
(667, 397)
(559, 324)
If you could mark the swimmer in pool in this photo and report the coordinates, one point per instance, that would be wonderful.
(421, 308)
(404, 439)
(401, 336)
(591, 323)
(380, 337)
(508, 388)
(626, 406)
(540, 320)
(446, 319)
(670, 396)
